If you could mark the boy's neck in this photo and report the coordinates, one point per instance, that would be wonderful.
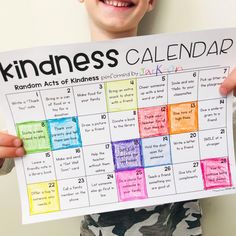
(98, 34)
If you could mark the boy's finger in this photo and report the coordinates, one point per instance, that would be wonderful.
(9, 140)
(229, 83)
(7, 152)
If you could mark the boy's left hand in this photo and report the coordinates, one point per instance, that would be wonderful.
(229, 84)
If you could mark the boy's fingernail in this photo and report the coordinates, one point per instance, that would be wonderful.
(223, 90)
(17, 142)
(20, 152)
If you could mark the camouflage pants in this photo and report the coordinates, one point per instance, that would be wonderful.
(177, 219)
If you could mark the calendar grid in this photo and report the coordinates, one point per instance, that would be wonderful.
(118, 179)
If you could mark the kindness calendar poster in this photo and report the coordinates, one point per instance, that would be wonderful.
(121, 124)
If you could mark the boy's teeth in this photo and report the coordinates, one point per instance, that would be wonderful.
(116, 3)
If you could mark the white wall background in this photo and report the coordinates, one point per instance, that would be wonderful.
(30, 23)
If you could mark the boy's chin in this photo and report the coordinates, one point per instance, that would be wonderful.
(118, 25)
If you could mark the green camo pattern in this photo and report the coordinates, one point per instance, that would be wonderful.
(176, 219)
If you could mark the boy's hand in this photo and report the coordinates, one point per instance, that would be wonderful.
(10, 146)
(229, 84)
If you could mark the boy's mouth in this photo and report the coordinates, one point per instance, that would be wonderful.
(118, 3)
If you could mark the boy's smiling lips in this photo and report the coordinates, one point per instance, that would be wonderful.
(121, 4)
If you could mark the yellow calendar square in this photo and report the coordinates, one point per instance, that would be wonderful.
(43, 197)
(121, 95)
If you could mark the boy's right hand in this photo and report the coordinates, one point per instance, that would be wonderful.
(10, 146)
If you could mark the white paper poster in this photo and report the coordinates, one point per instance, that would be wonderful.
(121, 124)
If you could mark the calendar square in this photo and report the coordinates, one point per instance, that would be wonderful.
(160, 181)
(152, 91)
(212, 114)
(102, 189)
(26, 103)
(121, 95)
(188, 177)
(35, 136)
(90, 99)
(39, 168)
(68, 163)
(124, 125)
(153, 121)
(216, 173)
(182, 87)
(185, 147)
(210, 81)
(212, 143)
(64, 133)
(127, 154)
(58, 103)
(183, 117)
(94, 129)
(131, 185)
(156, 151)
(43, 197)
(73, 193)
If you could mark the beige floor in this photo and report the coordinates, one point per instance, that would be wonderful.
(219, 215)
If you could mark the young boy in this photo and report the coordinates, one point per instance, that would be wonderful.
(111, 19)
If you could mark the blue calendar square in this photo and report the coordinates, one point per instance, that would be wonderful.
(64, 133)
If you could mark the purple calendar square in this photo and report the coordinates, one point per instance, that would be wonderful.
(127, 154)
